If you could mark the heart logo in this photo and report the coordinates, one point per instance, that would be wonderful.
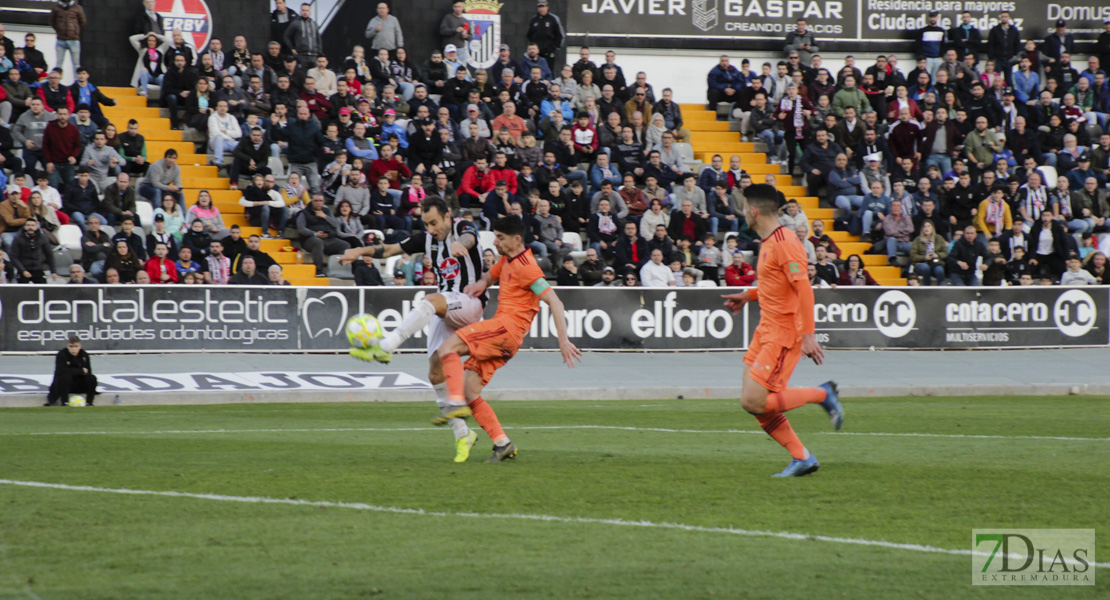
(324, 313)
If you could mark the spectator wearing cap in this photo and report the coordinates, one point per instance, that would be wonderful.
(930, 41)
(391, 127)
(1078, 176)
(384, 30)
(455, 62)
(1058, 42)
(506, 61)
(546, 32)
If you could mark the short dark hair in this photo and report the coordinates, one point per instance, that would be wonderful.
(762, 196)
(509, 225)
(437, 203)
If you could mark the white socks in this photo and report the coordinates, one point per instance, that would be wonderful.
(457, 425)
(416, 320)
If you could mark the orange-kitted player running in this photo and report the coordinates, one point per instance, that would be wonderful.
(491, 343)
(784, 334)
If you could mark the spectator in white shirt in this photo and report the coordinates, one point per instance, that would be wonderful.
(223, 132)
(655, 273)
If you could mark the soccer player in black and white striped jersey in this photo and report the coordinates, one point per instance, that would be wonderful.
(457, 262)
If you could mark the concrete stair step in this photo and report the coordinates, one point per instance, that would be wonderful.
(204, 183)
(700, 137)
(159, 148)
(825, 214)
(791, 190)
(696, 126)
(890, 282)
(885, 272)
(113, 91)
(230, 209)
(309, 281)
(841, 236)
(698, 116)
(736, 147)
(161, 135)
(848, 248)
(299, 271)
(284, 258)
(273, 247)
(121, 114)
(133, 100)
(147, 123)
(872, 260)
(190, 171)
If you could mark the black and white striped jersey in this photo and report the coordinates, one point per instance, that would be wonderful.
(453, 273)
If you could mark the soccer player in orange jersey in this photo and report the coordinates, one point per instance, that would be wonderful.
(491, 343)
(784, 334)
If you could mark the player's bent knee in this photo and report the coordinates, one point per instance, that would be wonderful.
(439, 303)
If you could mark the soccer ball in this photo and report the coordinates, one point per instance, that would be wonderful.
(363, 331)
(77, 400)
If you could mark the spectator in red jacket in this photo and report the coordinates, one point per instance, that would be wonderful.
(318, 104)
(389, 166)
(501, 170)
(61, 148)
(160, 268)
(739, 273)
(477, 181)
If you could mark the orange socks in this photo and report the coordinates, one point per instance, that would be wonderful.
(484, 415)
(780, 402)
(453, 373)
(777, 426)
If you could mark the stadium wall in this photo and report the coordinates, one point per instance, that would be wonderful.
(37, 319)
(110, 58)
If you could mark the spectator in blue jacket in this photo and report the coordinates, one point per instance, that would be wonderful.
(876, 205)
(844, 186)
(725, 82)
(603, 171)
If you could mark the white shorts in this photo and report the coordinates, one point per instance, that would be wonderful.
(462, 310)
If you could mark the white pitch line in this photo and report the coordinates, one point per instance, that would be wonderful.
(564, 427)
(508, 516)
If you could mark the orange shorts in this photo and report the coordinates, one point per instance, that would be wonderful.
(771, 362)
(491, 345)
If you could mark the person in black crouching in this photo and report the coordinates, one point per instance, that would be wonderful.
(72, 375)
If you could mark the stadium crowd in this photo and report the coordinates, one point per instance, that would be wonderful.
(986, 163)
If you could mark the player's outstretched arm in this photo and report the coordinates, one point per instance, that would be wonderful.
(734, 302)
(379, 251)
(571, 354)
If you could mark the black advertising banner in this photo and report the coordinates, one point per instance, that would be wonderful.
(597, 318)
(187, 318)
(948, 317)
(147, 318)
(833, 20)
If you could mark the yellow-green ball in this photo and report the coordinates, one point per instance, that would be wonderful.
(77, 400)
(363, 331)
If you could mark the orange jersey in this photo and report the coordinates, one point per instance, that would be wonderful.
(517, 303)
(782, 263)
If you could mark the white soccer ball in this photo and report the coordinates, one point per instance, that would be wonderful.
(363, 331)
(77, 400)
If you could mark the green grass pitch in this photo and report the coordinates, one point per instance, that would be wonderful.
(906, 489)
